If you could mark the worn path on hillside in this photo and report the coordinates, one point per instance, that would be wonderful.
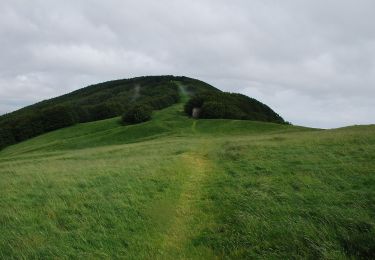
(189, 217)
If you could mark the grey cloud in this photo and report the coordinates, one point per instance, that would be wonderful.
(312, 61)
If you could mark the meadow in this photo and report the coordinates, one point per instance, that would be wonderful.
(175, 188)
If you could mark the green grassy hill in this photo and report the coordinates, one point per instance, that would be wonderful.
(125, 97)
(175, 188)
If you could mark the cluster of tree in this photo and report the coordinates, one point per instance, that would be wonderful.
(96, 102)
(137, 114)
(216, 104)
(18, 128)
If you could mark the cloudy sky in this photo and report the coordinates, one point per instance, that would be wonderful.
(311, 61)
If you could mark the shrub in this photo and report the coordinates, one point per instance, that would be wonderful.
(137, 114)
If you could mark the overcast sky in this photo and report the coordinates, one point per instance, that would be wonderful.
(312, 61)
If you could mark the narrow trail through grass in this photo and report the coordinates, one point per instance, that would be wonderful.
(188, 217)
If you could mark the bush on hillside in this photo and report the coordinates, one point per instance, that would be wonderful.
(137, 114)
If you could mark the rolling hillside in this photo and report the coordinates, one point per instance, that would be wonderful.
(175, 188)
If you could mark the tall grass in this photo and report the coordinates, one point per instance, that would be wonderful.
(178, 188)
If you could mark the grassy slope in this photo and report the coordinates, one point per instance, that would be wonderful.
(178, 188)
